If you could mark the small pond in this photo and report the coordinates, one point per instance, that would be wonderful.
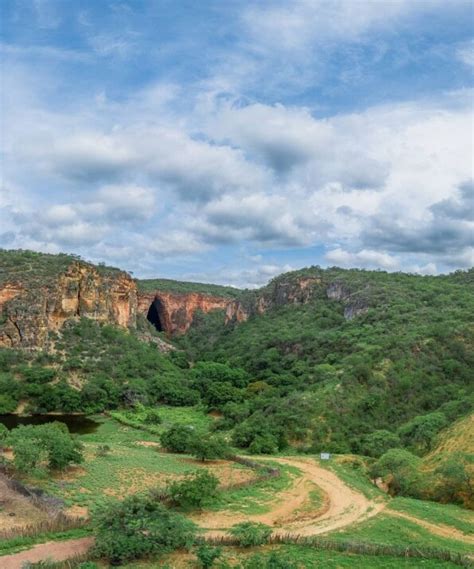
(79, 424)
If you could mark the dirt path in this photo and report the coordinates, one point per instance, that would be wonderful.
(346, 506)
(54, 550)
(437, 529)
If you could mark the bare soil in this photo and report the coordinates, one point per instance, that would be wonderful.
(52, 550)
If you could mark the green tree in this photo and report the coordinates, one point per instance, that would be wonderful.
(377, 443)
(399, 468)
(420, 432)
(51, 442)
(137, 527)
(457, 483)
(194, 491)
(177, 438)
(207, 447)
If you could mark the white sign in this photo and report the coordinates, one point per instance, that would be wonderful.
(325, 456)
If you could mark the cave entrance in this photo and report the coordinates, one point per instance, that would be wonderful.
(154, 314)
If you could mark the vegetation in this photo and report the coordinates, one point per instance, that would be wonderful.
(250, 534)
(50, 444)
(139, 526)
(194, 491)
(169, 285)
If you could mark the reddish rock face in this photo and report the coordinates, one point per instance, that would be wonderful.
(30, 312)
(176, 310)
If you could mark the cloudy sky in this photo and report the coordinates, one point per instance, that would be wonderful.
(228, 141)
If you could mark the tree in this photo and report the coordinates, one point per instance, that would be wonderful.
(420, 432)
(177, 438)
(207, 447)
(457, 481)
(264, 444)
(400, 468)
(152, 417)
(377, 443)
(139, 526)
(250, 534)
(50, 442)
(194, 491)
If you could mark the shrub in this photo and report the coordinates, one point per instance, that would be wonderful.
(139, 526)
(177, 438)
(152, 417)
(264, 444)
(251, 534)
(399, 467)
(377, 443)
(207, 447)
(194, 491)
(52, 442)
(207, 555)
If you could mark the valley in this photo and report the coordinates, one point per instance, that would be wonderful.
(158, 423)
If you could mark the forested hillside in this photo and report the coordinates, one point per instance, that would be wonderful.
(331, 381)
(346, 361)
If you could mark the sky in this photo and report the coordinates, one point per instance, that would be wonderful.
(228, 141)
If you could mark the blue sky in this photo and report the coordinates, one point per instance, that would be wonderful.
(231, 141)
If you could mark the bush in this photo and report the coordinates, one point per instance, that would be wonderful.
(152, 417)
(377, 443)
(194, 491)
(251, 534)
(207, 555)
(400, 468)
(177, 438)
(137, 527)
(51, 442)
(207, 447)
(264, 444)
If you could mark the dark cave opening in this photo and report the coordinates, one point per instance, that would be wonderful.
(153, 315)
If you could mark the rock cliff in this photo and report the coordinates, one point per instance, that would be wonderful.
(173, 312)
(289, 289)
(29, 310)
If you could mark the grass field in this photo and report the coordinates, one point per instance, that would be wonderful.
(433, 512)
(133, 464)
(306, 558)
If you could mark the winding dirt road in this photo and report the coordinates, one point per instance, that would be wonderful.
(345, 505)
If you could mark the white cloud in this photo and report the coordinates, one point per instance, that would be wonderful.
(364, 258)
(465, 53)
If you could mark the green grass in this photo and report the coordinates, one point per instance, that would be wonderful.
(257, 498)
(128, 468)
(446, 514)
(310, 558)
(353, 477)
(388, 530)
(195, 416)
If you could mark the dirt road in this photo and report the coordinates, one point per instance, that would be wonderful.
(54, 550)
(346, 506)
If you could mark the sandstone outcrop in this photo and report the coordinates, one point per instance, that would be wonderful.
(29, 312)
(176, 310)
